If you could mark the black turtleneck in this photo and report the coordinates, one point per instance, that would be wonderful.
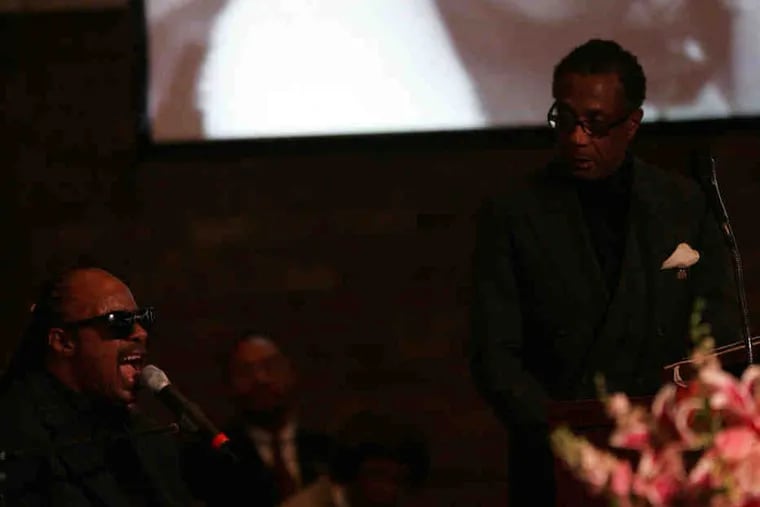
(605, 206)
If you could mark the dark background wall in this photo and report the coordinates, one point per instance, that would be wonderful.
(354, 254)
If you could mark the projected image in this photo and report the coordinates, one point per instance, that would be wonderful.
(232, 69)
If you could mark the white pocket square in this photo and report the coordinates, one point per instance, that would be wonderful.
(682, 258)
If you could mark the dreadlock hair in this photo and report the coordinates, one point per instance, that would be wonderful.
(46, 312)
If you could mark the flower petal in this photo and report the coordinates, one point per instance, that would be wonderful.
(734, 444)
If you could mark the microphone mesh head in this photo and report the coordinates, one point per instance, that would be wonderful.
(153, 378)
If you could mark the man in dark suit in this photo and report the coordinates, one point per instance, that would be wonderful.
(69, 429)
(570, 274)
(275, 457)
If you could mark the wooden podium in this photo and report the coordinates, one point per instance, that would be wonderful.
(588, 418)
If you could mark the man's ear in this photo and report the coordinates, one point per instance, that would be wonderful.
(61, 342)
(634, 121)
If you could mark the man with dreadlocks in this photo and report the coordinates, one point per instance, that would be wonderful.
(69, 430)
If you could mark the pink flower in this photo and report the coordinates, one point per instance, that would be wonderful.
(750, 382)
(728, 395)
(634, 436)
(716, 414)
(595, 466)
(735, 444)
(664, 411)
(704, 474)
(746, 470)
(589, 464)
(677, 418)
(632, 425)
(685, 418)
(621, 480)
(732, 465)
(618, 405)
(660, 476)
(664, 401)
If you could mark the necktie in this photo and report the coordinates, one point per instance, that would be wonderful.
(284, 481)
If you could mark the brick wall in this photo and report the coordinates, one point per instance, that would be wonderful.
(355, 254)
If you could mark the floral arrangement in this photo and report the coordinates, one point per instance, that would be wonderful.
(697, 445)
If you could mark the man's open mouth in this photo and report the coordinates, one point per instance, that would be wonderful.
(134, 359)
(131, 363)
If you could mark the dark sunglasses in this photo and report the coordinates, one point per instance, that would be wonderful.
(121, 322)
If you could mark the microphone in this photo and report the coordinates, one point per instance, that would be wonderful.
(156, 380)
(703, 171)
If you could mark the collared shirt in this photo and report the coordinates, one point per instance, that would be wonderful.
(288, 448)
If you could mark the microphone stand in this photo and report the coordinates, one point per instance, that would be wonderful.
(728, 234)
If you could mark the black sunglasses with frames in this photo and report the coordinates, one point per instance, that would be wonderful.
(120, 323)
(563, 119)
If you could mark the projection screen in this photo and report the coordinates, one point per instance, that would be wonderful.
(248, 69)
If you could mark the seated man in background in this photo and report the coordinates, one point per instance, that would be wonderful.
(69, 427)
(376, 462)
(276, 458)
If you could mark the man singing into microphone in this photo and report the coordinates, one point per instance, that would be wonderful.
(590, 269)
(68, 427)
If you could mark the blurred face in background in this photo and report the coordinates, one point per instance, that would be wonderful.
(380, 482)
(262, 381)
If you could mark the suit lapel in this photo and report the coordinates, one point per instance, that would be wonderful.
(614, 349)
(622, 325)
(561, 231)
(627, 331)
(655, 231)
(660, 233)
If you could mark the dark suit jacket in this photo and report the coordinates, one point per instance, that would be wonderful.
(218, 481)
(58, 444)
(543, 319)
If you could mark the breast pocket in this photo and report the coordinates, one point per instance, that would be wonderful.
(673, 303)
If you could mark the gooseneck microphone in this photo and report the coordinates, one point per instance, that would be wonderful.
(703, 170)
(158, 383)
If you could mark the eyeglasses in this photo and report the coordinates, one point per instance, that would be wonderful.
(564, 120)
(121, 322)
